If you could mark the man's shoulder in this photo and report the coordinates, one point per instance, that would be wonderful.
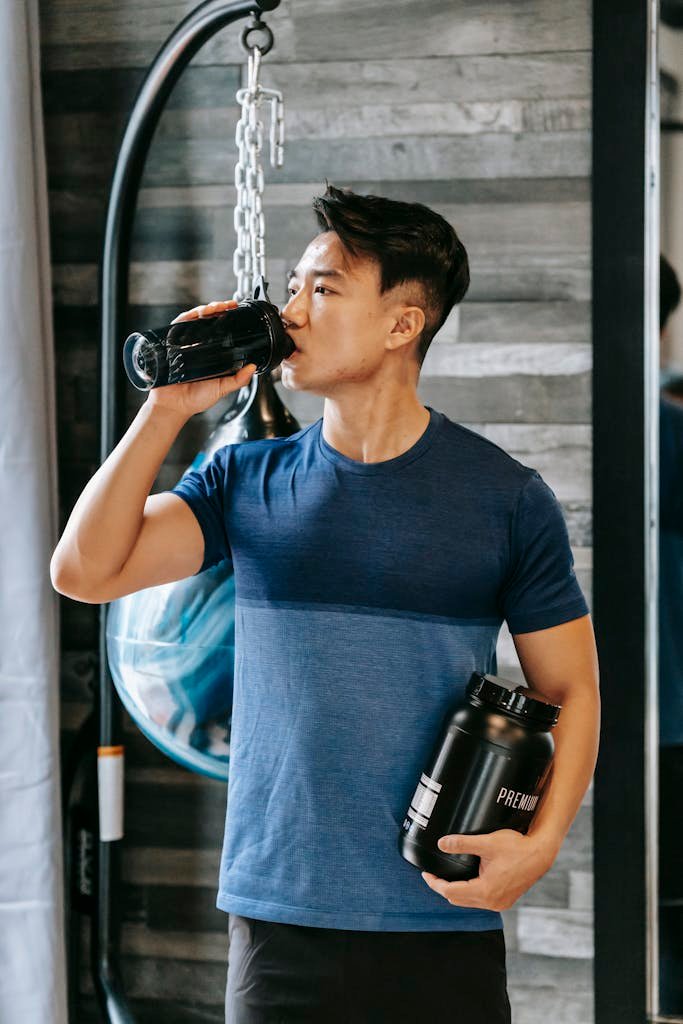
(484, 456)
(258, 448)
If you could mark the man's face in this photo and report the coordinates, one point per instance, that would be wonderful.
(337, 319)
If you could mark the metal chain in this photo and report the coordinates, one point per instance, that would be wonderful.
(249, 259)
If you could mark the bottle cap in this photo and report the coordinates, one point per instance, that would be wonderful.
(499, 693)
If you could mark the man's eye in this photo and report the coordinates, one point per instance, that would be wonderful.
(290, 289)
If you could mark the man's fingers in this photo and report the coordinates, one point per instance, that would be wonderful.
(206, 309)
(189, 314)
(209, 308)
(461, 894)
(242, 377)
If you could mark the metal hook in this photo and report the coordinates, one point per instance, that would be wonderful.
(256, 23)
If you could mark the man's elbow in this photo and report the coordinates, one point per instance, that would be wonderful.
(71, 584)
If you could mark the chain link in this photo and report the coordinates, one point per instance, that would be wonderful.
(249, 259)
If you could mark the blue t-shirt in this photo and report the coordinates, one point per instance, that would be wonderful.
(365, 596)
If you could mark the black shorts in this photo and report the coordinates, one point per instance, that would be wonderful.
(290, 973)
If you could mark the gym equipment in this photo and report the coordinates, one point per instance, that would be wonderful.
(171, 648)
(93, 857)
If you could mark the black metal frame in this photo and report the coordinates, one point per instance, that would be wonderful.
(620, 495)
(183, 43)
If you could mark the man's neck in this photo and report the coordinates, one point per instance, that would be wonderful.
(377, 429)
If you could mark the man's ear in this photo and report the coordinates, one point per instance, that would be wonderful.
(409, 325)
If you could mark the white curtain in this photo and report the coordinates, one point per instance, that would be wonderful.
(32, 953)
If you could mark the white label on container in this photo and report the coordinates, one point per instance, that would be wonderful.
(422, 804)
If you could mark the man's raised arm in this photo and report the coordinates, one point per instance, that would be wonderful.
(119, 538)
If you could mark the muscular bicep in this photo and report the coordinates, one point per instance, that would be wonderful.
(169, 547)
(559, 659)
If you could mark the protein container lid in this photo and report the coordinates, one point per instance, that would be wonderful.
(501, 693)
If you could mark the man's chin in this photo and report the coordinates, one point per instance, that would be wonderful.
(290, 383)
(288, 377)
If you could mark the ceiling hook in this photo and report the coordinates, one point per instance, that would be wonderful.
(256, 23)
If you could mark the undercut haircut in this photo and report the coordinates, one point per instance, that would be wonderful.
(412, 246)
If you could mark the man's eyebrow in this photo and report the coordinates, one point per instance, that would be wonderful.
(319, 272)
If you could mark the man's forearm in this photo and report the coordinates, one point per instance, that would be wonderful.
(106, 519)
(576, 736)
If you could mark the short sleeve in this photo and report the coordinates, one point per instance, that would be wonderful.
(541, 588)
(204, 490)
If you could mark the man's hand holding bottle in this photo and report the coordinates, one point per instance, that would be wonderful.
(197, 396)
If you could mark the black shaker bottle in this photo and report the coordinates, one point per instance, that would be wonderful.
(210, 346)
(487, 772)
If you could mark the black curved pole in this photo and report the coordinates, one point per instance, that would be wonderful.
(183, 43)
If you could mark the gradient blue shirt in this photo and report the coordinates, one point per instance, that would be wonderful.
(365, 596)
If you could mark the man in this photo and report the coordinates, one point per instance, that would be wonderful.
(376, 553)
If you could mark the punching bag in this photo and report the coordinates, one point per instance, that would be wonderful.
(171, 648)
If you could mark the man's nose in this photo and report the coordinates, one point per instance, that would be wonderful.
(293, 310)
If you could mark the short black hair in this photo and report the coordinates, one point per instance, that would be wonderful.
(669, 290)
(411, 244)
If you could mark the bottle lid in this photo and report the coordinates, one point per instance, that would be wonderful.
(503, 695)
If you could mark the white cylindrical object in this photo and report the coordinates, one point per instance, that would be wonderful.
(110, 792)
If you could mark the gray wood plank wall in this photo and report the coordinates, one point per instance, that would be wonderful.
(480, 110)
